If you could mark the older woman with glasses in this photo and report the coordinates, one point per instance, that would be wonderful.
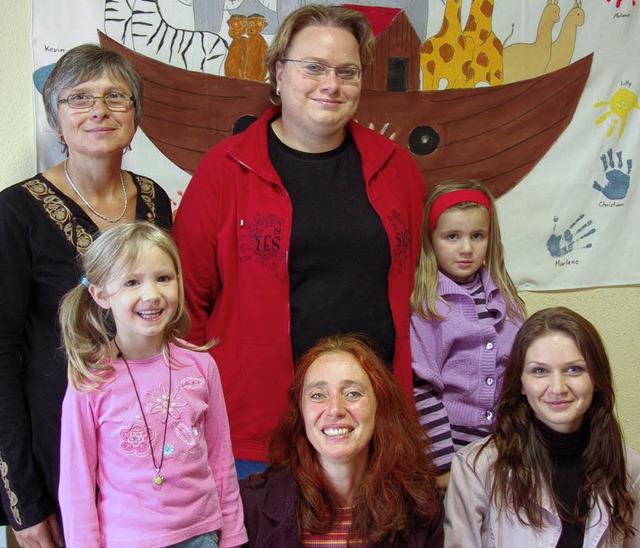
(93, 101)
(304, 225)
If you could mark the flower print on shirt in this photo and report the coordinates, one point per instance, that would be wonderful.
(134, 439)
(184, 433)
(160, 402)
(192, 383)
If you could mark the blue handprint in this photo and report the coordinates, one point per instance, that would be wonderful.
(617, 180)
(563, 244)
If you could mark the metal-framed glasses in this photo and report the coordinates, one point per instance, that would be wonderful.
(114, 100)
(315, 69)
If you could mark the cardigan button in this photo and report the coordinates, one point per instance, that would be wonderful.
(489, 346)
(489, 381)
(488, 415)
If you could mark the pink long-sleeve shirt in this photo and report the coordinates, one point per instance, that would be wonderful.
(107, 494)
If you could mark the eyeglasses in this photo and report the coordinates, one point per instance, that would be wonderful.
(114, 100)
(318, 70)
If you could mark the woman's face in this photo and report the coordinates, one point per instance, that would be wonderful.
(339, 409)
(318, 108)
(96, 131)
(556, 381)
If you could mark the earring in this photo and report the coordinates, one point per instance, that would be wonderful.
(278, 91)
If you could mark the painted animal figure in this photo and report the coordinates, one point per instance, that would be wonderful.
(152, 35)
(524, 61)
(563, 46)
(486, 58)
(446, 55)
(256, 48)
(235, 65)
(141, 26)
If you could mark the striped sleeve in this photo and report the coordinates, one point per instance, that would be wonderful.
(435, 421)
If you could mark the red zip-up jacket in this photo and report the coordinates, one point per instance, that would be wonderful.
(233, 229)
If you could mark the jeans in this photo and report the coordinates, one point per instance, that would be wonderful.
(244, 468)
(208, 540)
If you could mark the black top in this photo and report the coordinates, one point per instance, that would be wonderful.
(42, 233)
(566, 452)
(339, 255)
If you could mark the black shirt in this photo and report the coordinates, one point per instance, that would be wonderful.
(339, 256)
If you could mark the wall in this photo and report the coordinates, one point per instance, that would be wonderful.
(614, 311)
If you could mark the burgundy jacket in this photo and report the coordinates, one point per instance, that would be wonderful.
(270, 515)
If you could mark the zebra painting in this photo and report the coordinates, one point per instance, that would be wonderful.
(141, 26)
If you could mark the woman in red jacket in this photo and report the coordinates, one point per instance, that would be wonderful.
(304, 225)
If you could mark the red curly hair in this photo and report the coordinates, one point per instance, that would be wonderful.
(397, 494)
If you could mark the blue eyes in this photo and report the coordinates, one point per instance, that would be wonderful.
(350, 396)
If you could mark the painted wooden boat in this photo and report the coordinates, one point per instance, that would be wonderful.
(494, 134)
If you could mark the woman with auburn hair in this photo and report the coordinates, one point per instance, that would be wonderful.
(349, 460)
(555, 471)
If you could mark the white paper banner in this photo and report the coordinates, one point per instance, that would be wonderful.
(567, 223)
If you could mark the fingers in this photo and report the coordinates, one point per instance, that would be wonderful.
(45, 534)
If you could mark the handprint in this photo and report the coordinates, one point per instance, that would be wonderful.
(559, 245)
(617, 180)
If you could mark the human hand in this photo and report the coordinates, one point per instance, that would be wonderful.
(442, 482)
(46, 534)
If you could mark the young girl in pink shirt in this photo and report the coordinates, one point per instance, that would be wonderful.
(146, 454)
(465, 315)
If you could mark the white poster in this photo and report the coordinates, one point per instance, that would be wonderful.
(537, 98)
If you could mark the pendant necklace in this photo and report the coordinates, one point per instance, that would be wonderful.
(158, 480)
(84, 201)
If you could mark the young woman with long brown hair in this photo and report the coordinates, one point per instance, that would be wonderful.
(556, 471)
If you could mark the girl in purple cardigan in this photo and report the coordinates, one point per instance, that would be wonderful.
(146, 453)
(465, 315)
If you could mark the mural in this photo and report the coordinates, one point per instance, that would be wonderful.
(536, 98)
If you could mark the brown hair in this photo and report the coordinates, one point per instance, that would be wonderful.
(397, 493)
(522, 467)
(83, 63)
(317, 16)
(425, 291)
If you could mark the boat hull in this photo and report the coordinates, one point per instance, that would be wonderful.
(493, 134)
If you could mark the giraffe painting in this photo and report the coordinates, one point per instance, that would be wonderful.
(525, 61)
(446, 55)
(486, 47)
(563, 46)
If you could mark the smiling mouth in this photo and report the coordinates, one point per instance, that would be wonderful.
(150, 314)
(554, 404)
(336, 431)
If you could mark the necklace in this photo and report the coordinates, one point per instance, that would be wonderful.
(84, 201)
(158, 480)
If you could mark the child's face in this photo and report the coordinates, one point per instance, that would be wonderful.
(460, 241)
(143, 301)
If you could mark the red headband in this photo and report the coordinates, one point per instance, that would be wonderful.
(449, 199)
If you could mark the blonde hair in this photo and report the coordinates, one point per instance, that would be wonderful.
(88, 329)
(315, 15)
(425, 291)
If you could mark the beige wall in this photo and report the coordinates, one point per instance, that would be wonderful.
(614, 311)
